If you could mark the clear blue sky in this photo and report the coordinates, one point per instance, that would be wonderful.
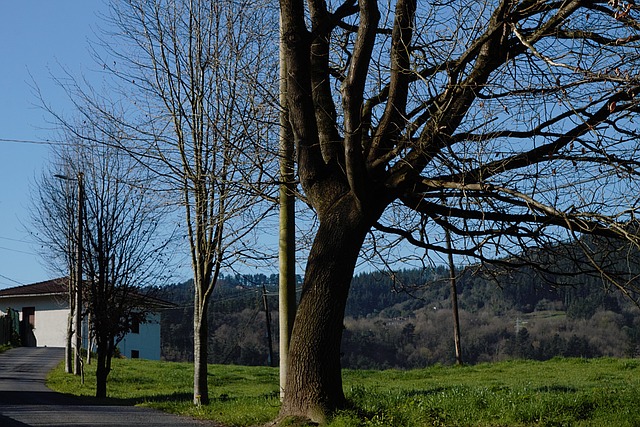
(37, 38)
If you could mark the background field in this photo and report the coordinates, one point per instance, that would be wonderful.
(558, 392)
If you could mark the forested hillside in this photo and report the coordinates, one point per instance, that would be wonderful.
(404, 320)
(523, 316)
(237, 320)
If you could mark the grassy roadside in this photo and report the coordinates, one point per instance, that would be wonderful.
(560, 392)
(240, 396)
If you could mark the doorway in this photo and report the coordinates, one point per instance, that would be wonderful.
(27, 325)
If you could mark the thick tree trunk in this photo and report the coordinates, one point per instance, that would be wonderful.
(314, 380)
(200, 355)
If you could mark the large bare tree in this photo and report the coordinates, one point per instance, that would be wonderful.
(508, 124)
(200, 76)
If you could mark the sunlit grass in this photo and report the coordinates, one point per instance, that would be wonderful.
(560, 392)
(240, 396)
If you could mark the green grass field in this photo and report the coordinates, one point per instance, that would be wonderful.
(560, 392)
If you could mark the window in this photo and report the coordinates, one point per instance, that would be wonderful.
(135, 354)
(135, 326)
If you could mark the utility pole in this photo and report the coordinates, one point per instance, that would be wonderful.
(286, 244)
(268, 319)
(454, 300)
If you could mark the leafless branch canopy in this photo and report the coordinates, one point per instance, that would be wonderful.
(509, 124)
(124, 249)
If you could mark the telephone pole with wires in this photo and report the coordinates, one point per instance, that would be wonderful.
(268, 320)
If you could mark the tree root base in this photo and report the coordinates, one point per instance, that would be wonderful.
(291, 421)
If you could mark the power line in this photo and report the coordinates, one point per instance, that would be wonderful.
(31, 141)
(14, 240)
(17, 250)
(10, 279)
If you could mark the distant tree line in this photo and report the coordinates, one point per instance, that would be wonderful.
(403, 320)
(519, 316)
(238, 329)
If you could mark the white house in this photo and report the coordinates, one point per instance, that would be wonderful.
(44, 310)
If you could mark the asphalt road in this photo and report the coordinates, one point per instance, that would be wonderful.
(26, 401)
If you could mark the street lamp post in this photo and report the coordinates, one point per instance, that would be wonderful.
(78, 294)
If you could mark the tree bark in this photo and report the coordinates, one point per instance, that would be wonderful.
(314, 382)
(68, 347)
(77, 367)
(200, 355)
(90, 339)
(102, 367)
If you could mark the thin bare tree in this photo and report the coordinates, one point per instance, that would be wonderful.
(200, 77)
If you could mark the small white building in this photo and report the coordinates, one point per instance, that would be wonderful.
(44, 310)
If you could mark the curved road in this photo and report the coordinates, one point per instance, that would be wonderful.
(26, 401)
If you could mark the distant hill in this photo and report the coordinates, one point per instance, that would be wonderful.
(520, 316)
(403, 320)
(237, 325)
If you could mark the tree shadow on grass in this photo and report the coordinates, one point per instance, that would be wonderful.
(133, 401)
(55, 398)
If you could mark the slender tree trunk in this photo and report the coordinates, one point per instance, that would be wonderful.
(314, 380)
(89, 339)
(200, 354)
(77, 369)
(68, 346)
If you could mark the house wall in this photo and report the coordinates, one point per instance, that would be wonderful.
(50, 317)
(51, 323)
(146, 342)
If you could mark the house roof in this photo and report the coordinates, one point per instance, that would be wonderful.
(57, 286)
(60, 286)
